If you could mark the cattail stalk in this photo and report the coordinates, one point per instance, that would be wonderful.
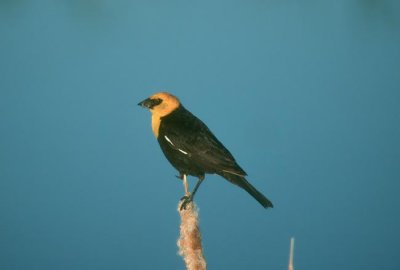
(189, 241)
(291, 253)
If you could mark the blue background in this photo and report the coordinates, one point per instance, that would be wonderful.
(305, 94)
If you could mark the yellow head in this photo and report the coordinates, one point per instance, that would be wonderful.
(160, 105)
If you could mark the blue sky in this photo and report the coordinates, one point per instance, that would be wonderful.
(305, 94)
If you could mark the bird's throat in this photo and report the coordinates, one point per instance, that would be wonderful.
(155, 124)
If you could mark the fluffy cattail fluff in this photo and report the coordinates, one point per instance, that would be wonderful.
(189, 241)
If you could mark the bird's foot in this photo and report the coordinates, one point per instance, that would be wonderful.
(185, 201)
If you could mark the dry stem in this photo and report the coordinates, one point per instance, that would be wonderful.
(189, 242)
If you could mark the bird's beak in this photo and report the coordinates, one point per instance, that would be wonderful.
(149, 103)
(145, 103)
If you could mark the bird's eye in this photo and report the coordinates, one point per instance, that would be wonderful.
(154, 102)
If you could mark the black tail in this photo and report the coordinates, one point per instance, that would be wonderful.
(242, 182)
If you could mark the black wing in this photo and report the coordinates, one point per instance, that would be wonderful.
(200, 150)
(189, 135)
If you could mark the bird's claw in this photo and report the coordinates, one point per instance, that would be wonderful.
(185, 201)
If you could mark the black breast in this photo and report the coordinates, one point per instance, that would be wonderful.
(177, 133)
(192, 148)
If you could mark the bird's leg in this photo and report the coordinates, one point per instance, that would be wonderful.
(199, 181)
(182, 176)
(189, 196)
(185, 185)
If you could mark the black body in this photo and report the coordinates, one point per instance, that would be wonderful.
(192, 149)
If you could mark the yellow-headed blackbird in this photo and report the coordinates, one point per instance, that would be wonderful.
(191, 148)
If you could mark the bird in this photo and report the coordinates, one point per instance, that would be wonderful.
(191, 147)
